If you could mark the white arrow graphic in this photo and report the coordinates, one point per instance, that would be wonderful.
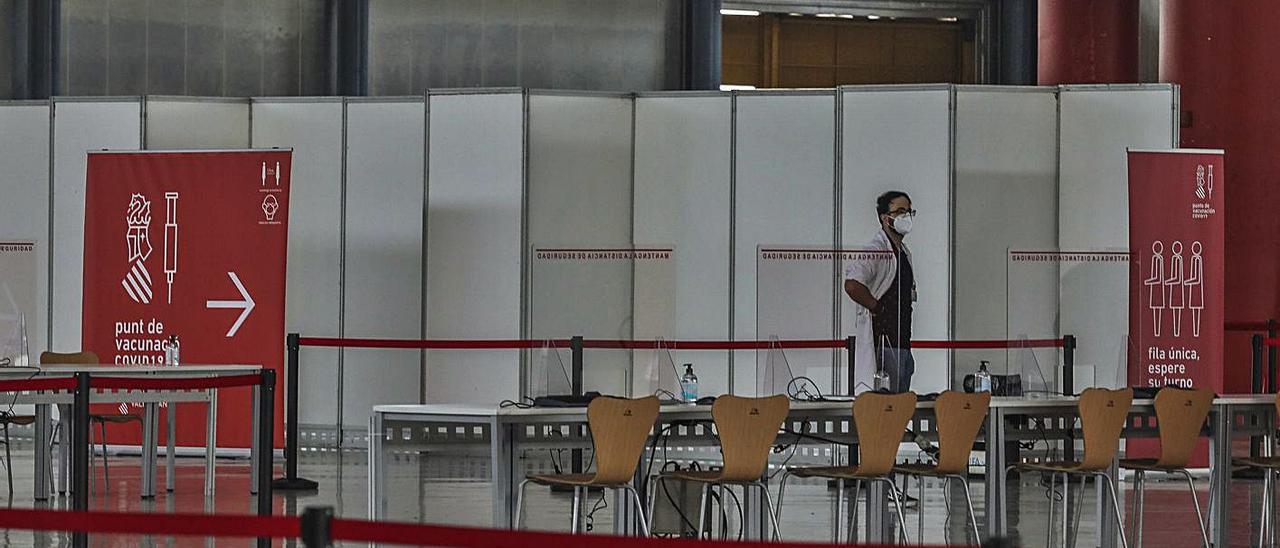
(247, 304)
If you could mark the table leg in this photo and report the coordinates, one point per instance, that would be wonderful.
(172, 419)
(1220, 472)
(377, 468)
(253, 450)
(504, 469)
(42, 453)
(1110, 529)
(878, 520)
(150, 431)
(210, 443)
(996, 479)
(64, 447)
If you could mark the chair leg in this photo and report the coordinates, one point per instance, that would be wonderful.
(853, 512)
(782, 491)
(8, 460)
(1262, 514)
(1191, 485)
(640, 511)
(653, 493)
(702, 509)
(835, 523)
(106, 468)
(973, 516)
(902, 520)
(1066, 508)
(1053, 484)
(519, 505)
(919, 508)
(1139, 506)
(577, 509)
(93, 476)
(1115, 508)
(768, 503)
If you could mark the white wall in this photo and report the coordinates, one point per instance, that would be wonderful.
(1098, 123)
(314, 128)
(682, 157)
(385, 203)
(579, 195)
(784, 175)
(79, 126)
(899, 138)
(196, 123)
(475, 252)
(24, 210)
(1006, 197)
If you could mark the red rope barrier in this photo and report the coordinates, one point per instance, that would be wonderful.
(626, 344)
(1246, 326)
(64, 383)
(460, 344)
(152, 524)
(431, 535)
(1271, 342)
(202, 383)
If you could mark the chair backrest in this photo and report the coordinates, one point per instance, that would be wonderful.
(960, 415)
(1180, 414)
(747, 428)
(619, 428)
(1102, 416)
(69, 358)
(880, 419)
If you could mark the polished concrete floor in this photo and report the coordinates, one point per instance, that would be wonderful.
(454, 490)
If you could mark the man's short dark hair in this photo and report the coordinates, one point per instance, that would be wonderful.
(882, 203)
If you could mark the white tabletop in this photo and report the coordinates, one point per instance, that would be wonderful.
(483, 410)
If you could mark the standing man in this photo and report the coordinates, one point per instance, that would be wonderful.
(882, 283)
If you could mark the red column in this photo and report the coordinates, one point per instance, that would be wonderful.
(1088, 42)
(1223, 54)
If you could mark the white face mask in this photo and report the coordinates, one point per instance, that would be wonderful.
(902, 224)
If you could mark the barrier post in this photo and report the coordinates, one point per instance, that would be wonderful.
(1256, 342)
(851, 348)
(80, 455)
(316, 526)
(1068, 365)
(291, 481)
(1271, 357)
(266, 442)
(575, 387)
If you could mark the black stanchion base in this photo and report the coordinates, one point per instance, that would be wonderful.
(294, 484)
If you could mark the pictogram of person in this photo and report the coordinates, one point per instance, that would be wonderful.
(1155, 283)
(1195, 287)
(1177, 289)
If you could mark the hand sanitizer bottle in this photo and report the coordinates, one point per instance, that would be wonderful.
(171, 352)
(689, 385)
(983, 378)
(880, 381)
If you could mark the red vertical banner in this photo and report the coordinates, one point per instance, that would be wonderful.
(1176, 241)
(191, 244)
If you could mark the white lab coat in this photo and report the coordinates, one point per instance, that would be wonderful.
(876, 272)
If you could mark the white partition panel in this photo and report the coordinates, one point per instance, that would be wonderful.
(313, 127)
(1097, 124)
(385, 196)
(899, 138)
(24, 210)
(682, 166)
(580, 196)
(196, 123)
(80, 125)
(784, 181)
(1006, 197)
(475, 187)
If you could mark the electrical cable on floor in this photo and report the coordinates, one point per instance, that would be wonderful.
(599, 505)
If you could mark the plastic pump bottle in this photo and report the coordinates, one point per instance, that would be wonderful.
(171, 352)
(689, 385)
(983, 378)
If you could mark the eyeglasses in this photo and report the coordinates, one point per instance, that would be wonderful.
(903, 213)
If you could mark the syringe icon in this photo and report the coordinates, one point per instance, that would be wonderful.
(1210, 181)
(170, 239)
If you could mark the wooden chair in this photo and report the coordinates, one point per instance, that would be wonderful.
(959, 417)
(1103, 414)
(1270, 467)
(747, 428)
(90, 358)
(1180, 416)
(619, 429)
(880, 420)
